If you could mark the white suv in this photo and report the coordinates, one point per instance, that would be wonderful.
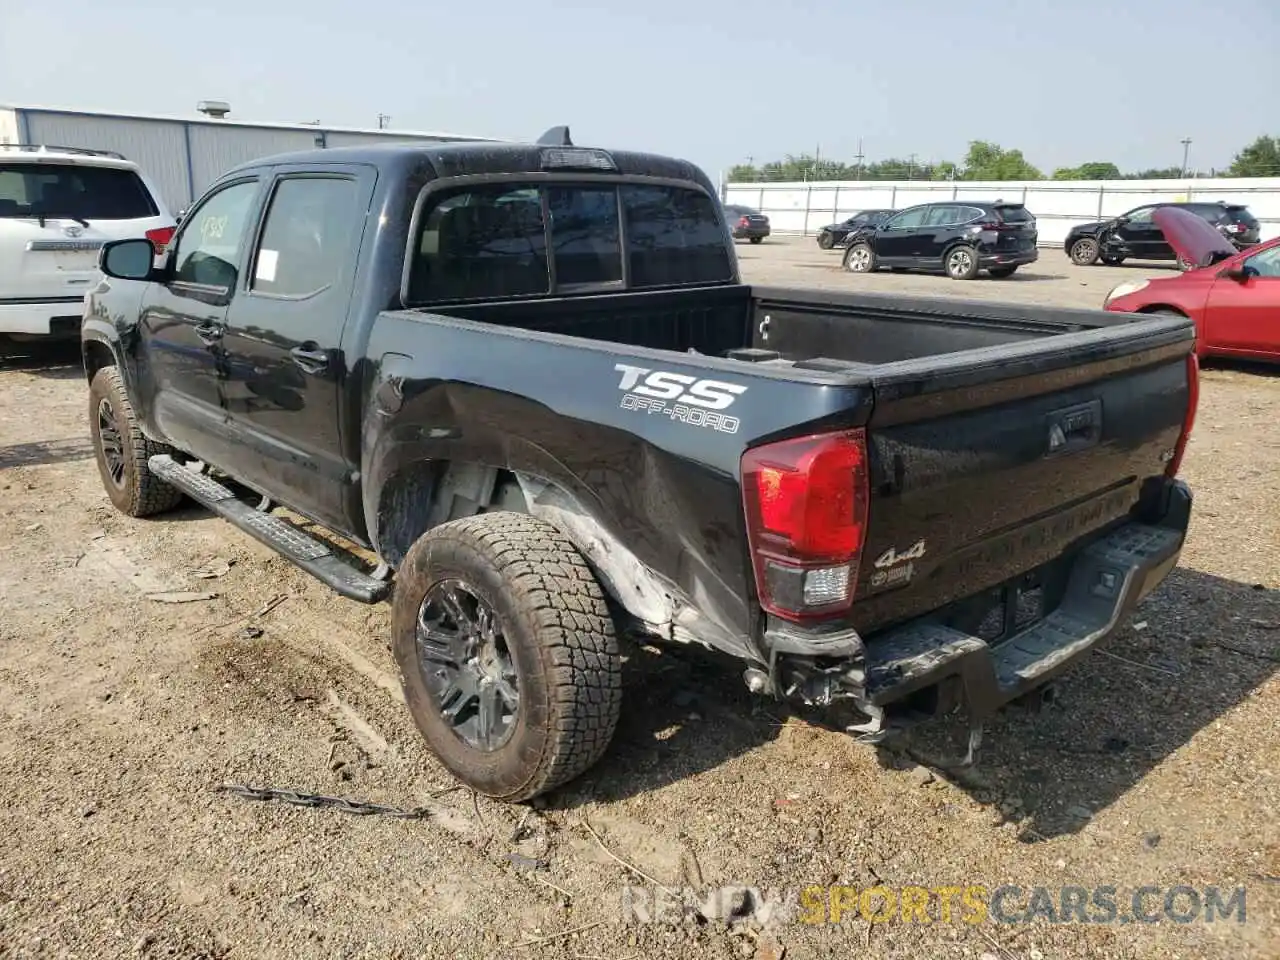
(58, 206)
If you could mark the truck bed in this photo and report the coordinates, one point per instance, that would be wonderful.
(811, 329)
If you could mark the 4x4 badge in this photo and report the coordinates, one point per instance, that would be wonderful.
(891, 557)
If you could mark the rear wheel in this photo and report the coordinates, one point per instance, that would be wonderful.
(1084, 252)
(507, 653)
(860, 258)
(826, 241)
(757, 239)
(1001, 272)
(122, 450)
(961, 263)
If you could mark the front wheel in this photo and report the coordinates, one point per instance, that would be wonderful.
(1113, 261)
(826, 241)
(507, 653)
(122, 450)
(961, 263)
(1084, 252)
(860, 258)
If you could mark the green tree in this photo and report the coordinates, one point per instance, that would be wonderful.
(1097, 170)
(743, 173)
(1259, 159)
(990, 161)
(1155, 173)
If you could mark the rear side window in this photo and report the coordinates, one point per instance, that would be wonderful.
(306, 236)
(1014, 214)
(73, 190)
(1243, 216)
(500, 241)
(673, 236)
(1207, 211)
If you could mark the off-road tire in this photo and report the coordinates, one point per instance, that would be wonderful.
(958, 269)
(558, 631)
(1085, 252)
(1001, 272)
(860, 257)
(139, 493)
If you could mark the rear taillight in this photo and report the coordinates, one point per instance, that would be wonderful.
(744, 221)
(806, 509)
(1189, 418)
(160, 237)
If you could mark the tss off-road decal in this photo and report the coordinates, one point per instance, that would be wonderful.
(680, 397)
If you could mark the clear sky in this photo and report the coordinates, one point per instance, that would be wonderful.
(713, 81)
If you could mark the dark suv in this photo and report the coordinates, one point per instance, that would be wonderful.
(837, 234)
(1135, 234)
(746, 223)
(960, 238)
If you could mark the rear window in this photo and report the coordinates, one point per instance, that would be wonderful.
(496, 241)
(1017, 214)
(73, 190)
(1212, 212)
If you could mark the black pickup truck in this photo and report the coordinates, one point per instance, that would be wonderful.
(527, 383)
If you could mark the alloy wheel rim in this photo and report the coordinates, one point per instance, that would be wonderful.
(858, 260)
(1084, 250)
(960, 261)
(110, 442)
(467, 666)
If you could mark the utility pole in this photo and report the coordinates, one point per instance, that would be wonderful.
(911, 166)
(383, 120)
(1186, 147)
(859, 156)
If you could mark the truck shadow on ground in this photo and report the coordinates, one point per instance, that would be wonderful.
(43, 452)
(1127, 708)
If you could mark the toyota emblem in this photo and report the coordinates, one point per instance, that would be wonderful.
(73, 231)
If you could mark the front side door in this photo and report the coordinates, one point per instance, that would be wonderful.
(181, 363)
(1244, 315)
(1143, 237)
(895, 241)
(286, 369)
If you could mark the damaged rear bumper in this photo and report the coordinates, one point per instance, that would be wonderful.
(1103, 584)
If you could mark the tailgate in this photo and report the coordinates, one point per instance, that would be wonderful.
(988, 463)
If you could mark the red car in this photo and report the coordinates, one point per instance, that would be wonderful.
(1233, 296)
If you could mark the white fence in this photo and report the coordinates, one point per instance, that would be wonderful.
(805, 208)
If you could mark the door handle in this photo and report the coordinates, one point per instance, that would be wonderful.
(312, 361)
(209, 331)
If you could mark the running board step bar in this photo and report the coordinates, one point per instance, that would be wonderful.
(295, 546)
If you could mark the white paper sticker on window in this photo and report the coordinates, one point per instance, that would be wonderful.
(267, 265)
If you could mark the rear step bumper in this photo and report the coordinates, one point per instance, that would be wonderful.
(1106, 582)
(312, 555)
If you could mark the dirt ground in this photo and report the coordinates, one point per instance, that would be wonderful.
(119, 716)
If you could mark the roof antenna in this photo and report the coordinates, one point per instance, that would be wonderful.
(556, 137)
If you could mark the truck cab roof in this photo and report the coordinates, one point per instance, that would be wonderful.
(487, 159)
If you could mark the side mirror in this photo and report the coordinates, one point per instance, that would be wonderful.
(1238, 274)
(127, 259)
(182, 214)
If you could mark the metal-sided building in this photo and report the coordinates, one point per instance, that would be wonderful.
(183, 155)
